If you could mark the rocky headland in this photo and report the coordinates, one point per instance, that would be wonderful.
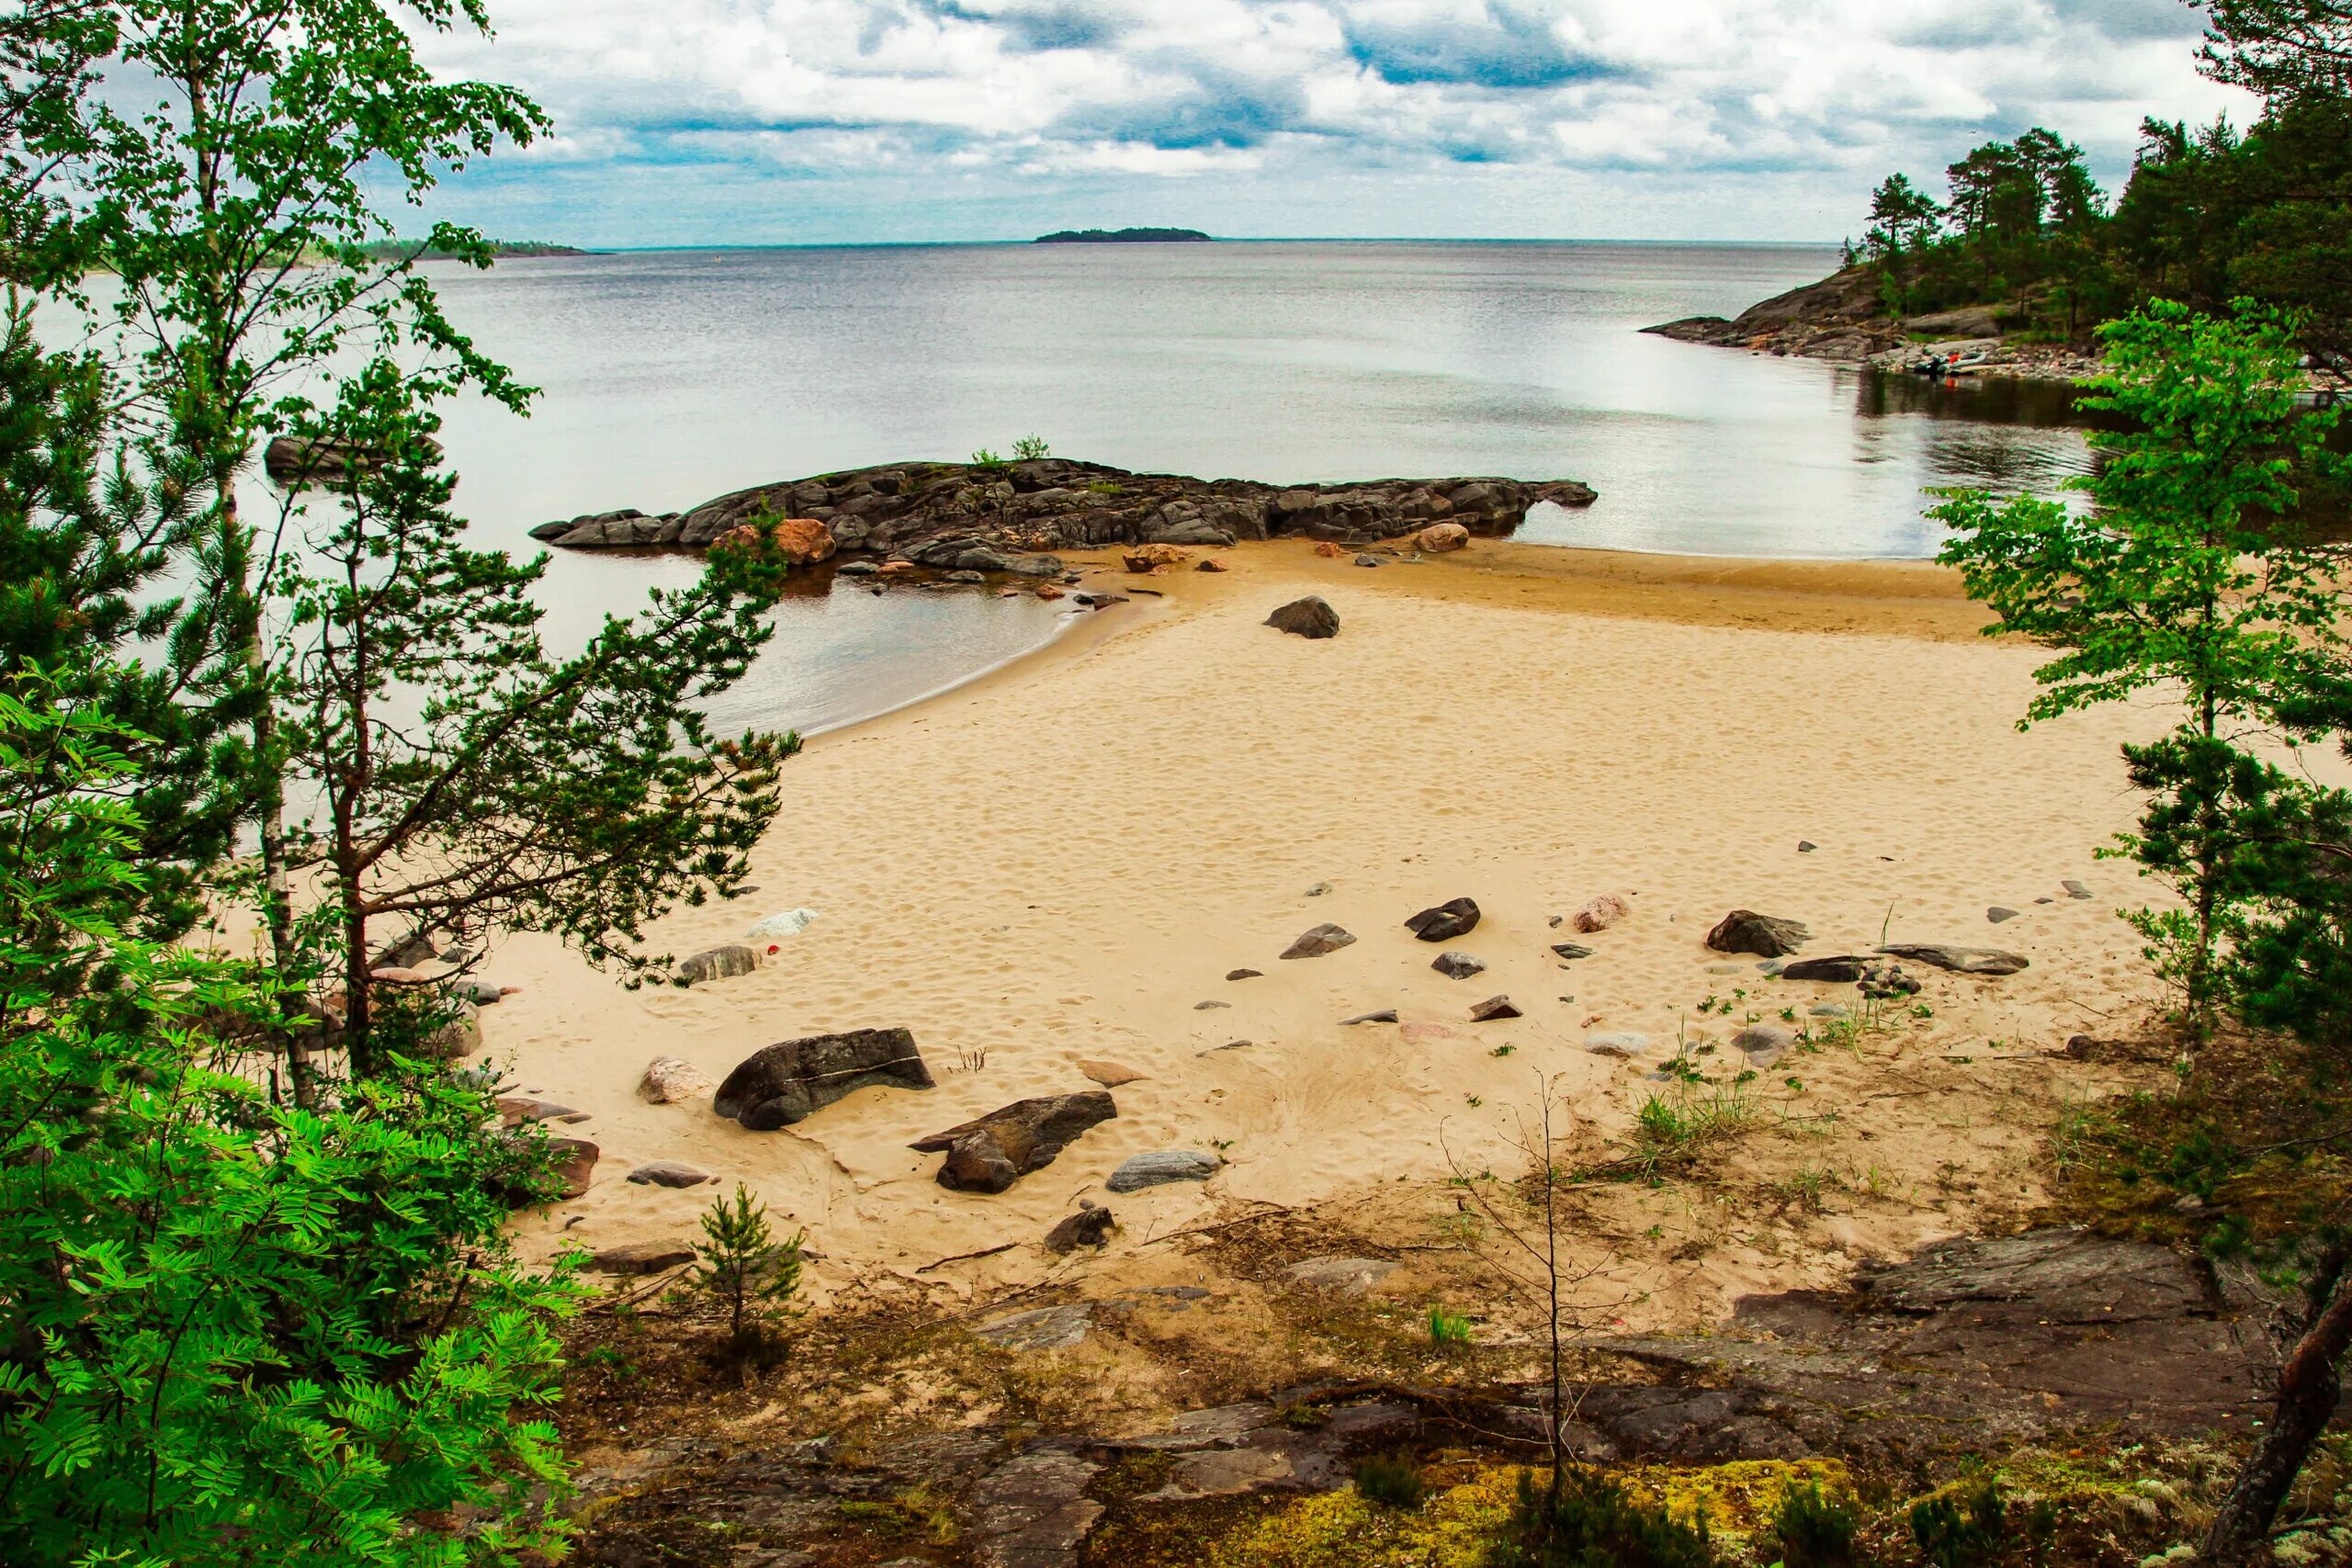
(1001, 517)
(1844, 318)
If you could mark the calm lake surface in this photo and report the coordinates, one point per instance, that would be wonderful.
(670, 376)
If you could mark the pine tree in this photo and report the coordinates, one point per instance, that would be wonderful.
(752, 1276)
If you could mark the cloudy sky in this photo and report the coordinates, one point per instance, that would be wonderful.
(809, 121)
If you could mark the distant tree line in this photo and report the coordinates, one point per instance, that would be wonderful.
(2210, 214)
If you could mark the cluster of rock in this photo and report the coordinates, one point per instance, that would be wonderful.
(1006, 517)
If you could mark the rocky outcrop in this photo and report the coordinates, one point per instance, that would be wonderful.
(1007, 517)
(1838, 318)
(991, 1154)
(785, 1082)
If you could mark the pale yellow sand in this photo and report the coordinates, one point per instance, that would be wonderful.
(1060, 861)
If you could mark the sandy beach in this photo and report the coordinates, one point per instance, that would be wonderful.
(1063, 862)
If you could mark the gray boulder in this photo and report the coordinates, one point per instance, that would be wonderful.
(1767, 936)
(1157, 1169)
(719, 963)
(778, 1086)
(1959, 960)
(992, 1152)
(1307, 617)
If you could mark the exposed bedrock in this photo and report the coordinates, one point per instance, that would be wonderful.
(961, 517)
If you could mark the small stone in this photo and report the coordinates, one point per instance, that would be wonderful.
(669, 1173)
(1243, 974)
(1726, 969)
(576, 1164)
(1349, 1276)
(1439, 538)
(1998, 913)
(1493, 1007)
(1454, 918)
(789, 922)
(516, 1111)
(1422, 1033)
(1959, 960)
(1623, 1044)
(1327, 549)
(1166, 1165)
(1309, 617)
(1088, 1227)
(1843, 969)
(1046, 590)
(2076, 889)
(484, 993)
(1767, 936)
(1367, 561)
(669, 1079)
(1763, 1043)
(1458, 965)
(1143, 558)
(1571, 949)
(1828, 1010)
(1110, 1075)
(1204, 1006)
(1806, 846)
(1385, 1015)
(1212, 564)
(1317, 940)
(1318, 890)
(1599, 914)
(641, 1257)
(961, 576)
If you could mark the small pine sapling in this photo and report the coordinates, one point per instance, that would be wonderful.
(754, 1277)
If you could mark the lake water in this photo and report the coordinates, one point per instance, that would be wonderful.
(670, 376)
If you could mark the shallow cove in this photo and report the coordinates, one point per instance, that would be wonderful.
(674, 377)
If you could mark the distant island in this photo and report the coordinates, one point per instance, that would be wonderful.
(1119, 236)
(392, 249)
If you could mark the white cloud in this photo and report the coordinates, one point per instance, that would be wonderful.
(994, 117)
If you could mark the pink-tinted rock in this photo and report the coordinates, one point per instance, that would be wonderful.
(1599, 914)
(1439, 538)
(803, 540)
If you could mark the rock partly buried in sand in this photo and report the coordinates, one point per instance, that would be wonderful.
(1456, 965)
(992, 1152)
(516, 1111)
(722, 963)
(641, 1257)
(1763, 1043)
(1493, 1008)
(1349, 1276)
(459, 1036)
(1166, 1165)
(1039, 1329)
(669, 1079)
(575, 1163)
(1317, 941)
(1110, 1075)
(1212, 564)
(1843, 969)
(1089, 1226)
(1454, 918)
(1143, 558)
(779, 1085)
(1599, 914)
(1210, 1005)
(669, 1173)
(2000, 912)
(1243, 974)
(1439, 538)
(1307, 617)
(1767, 936)
(1571, 950)
(1384, 1015)
(2077, 890)
(1421, 1033)
(1622, 1045)
(1959, 960)
(1328, 549)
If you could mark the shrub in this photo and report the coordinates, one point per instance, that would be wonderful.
(1447, 1329)
(1817, 1528)
(984, 458)
(750, 1273)
(1961, 1526)
(1029, 449)
(1592, 1521)
(1393, 1480)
